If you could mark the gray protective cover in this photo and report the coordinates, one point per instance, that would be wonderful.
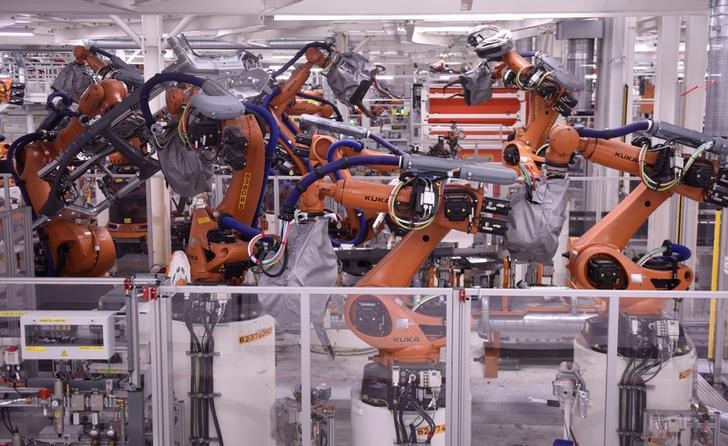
(218, 107)
(477, 85)
(312, 263)
(72, 81)
(184, 169)
(349, 72)
(534, 225)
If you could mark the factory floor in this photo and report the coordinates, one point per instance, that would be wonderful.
(505, 410)
(502, 413)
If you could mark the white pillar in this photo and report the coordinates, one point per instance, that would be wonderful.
(158, 218)
(615, 75)
(661, 223)
(696, 65)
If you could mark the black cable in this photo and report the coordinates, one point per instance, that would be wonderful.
(195, 349)
(396, 425)
(402, 403)
(413, 434)
(282, 266)
(423, 413)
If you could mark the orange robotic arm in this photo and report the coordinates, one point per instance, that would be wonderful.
(374, 318)
(75, 249)
(285, 98)
(596, 259)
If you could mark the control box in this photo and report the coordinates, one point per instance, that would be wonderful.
(60, 335)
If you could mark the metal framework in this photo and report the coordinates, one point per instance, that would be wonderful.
(458, 353)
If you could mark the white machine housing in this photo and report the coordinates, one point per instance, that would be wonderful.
(372, 425)
(67, 321)
(671, 389)
(243, 375)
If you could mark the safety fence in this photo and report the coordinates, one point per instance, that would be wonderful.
(504, 358)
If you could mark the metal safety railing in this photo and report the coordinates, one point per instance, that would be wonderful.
(458, 347)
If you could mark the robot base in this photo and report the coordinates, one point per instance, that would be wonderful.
(671, 389)
(373, 426)
(244, 376)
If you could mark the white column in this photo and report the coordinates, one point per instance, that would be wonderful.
(661, 223)
(615, 74)
(696, 64)
(158, 218)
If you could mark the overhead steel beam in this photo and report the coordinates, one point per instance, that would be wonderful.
(484, 9)
(489, 10)
(181, 25)
(127, 29)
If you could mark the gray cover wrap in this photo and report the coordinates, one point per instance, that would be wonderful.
(534, 225)
(311, 262)
(184, 169)
(72, 81)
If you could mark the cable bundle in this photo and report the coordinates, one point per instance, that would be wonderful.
(202, 353)
(660, 186)
(428, 185)
(265, 242)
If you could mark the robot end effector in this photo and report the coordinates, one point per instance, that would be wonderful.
(662, 166)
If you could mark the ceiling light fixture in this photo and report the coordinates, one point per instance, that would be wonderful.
(474, 18)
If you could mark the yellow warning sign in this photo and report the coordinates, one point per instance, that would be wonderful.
(12, 313)
(260, 334)
(52, 320)
(64, 353)
(439, 429)
(685, 374)
(35, 349)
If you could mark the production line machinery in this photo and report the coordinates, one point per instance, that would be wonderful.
(653, 347)
(405, 382)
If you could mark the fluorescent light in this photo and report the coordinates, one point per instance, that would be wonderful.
(385, 77)
(16, 34)
(425, 17)
(22, 21)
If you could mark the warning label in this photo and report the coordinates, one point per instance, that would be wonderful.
(260, 334)
(439, 429)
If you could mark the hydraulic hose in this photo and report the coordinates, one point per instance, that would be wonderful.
(66, 100)
(289, 207)
(351, 143)
(269, 97)
(270, 150)
(160, 78)
(289, 125)
(680, 252)
(247, 231)
(15, 147)
(339, 116)
(386, 144)
(614, 133)
(298, 55)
